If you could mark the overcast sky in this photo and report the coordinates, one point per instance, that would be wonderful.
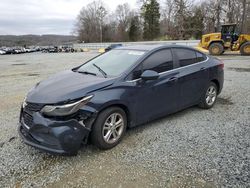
(18, 17)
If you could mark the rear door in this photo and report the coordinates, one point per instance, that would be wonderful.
(193, 76)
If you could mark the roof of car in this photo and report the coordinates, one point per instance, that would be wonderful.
(147, 47)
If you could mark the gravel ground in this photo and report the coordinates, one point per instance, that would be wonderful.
(192, 148)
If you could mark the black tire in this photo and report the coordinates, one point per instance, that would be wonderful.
(245, 48)
(204, 103)
(97, 137)
(216, 48)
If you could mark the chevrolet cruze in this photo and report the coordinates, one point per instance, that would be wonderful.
(125, 87)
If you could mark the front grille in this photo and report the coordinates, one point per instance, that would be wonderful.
(33, 107)
(27, 119)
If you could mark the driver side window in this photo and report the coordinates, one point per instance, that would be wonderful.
(159, 61)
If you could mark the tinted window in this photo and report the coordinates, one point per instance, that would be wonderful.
(200, 57)
(185, 56)
(159, 61)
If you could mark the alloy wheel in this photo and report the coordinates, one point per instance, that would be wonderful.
(211, 95)
(113, 128)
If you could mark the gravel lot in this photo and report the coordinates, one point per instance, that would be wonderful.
(195, 147)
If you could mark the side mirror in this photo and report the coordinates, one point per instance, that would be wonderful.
(149, 75)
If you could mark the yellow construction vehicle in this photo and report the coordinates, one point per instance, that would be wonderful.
(226, 40)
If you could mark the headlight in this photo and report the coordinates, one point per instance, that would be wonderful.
(24, 102)
(67, 109)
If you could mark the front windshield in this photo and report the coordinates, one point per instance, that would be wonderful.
(112, 63)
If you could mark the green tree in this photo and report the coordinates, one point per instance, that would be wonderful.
(151, 16)
(197, 24)
(134, 29)
(193, 24)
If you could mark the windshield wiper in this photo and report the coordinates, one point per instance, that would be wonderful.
(86, 72)
(100, 70)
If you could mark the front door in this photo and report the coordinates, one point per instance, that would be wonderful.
(155, 98)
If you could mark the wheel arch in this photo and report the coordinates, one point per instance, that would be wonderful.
(216, 41)
(246, 41)
(120, 105)
(217, 84)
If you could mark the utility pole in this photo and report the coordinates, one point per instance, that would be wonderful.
(101, 14)
(243, 16)
(218, 14)
(101, 31)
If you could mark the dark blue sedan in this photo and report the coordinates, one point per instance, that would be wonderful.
(120, 89)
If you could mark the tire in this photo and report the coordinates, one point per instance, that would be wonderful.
(105, 122)
(216, 48)
(245, 48)
(209, 98)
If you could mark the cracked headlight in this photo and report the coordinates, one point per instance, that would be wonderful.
(66, 109)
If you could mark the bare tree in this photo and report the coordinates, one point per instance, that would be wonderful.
(179, 19)
(123, 15)
(182, 11)
(90, 20)
(218, 14)
(168, 12)
(243, 15)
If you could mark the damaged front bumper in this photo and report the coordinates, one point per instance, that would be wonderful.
(55, 136)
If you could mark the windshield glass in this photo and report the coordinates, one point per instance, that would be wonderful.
(112, 63)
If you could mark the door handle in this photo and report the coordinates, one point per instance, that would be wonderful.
(202, 68)
(173, 78)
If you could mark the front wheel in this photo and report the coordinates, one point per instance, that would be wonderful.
(109, 128)
(216, 48)
(209, 98)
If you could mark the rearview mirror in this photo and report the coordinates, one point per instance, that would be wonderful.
(149, 75)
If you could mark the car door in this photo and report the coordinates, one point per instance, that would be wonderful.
(155, 98)
(193, 75)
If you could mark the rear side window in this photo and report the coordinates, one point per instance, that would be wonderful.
(159, 61)
(200, 57)
(185, 56)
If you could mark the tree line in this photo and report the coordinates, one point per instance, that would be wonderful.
(36, 40)
(168, 20)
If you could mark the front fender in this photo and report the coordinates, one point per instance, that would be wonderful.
(113, 97)
(220, 41)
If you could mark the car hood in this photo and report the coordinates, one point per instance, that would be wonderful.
(66, 86)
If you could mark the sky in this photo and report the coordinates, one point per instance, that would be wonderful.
(20, 17)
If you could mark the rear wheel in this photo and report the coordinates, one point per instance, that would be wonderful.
(109, 128)
(245, 48)
(209, 98)
(216, 48)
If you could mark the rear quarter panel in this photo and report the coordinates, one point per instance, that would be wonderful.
(216, 72)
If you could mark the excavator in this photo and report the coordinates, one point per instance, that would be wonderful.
(226, 40)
